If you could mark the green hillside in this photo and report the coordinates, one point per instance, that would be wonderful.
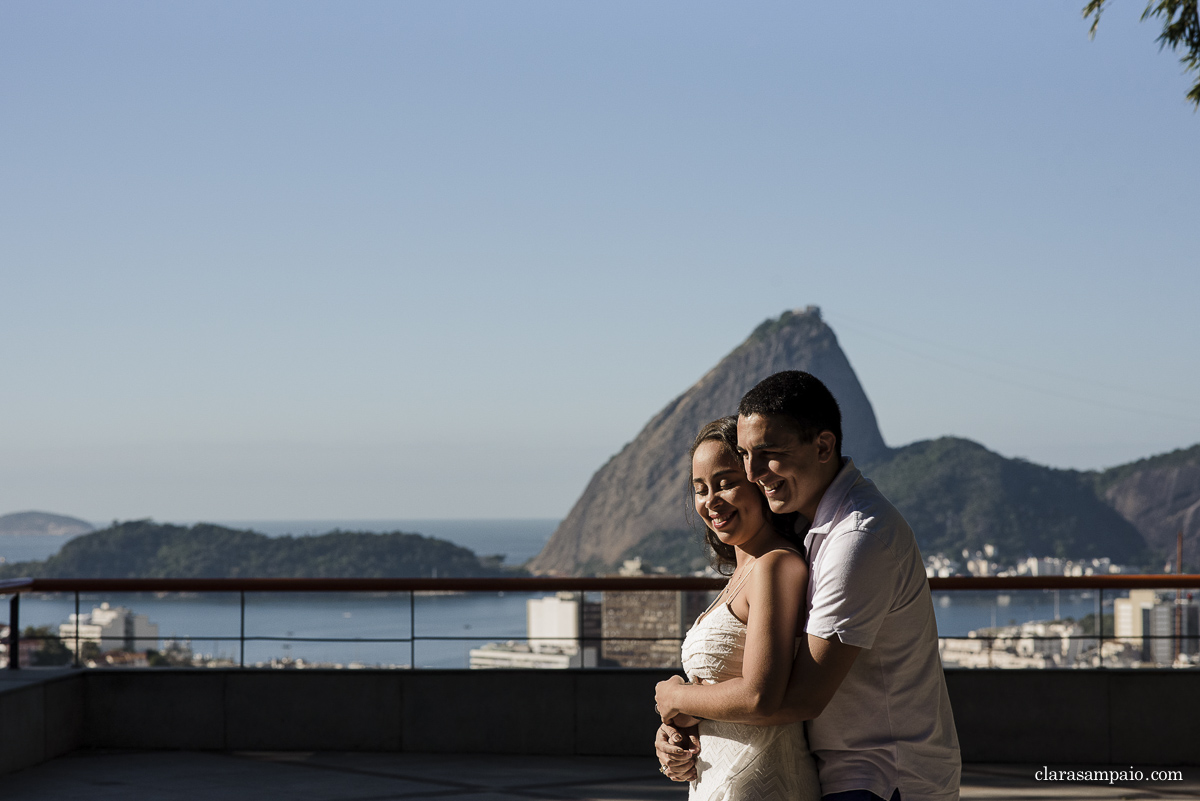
(1176, 458)
(156, 550)
(957, 494)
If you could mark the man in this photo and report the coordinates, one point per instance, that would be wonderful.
(870, 682)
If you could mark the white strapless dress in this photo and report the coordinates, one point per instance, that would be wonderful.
(739, 762)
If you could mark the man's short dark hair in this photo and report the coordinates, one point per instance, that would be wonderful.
(799, 397)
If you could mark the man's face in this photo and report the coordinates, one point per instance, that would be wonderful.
(792, 474)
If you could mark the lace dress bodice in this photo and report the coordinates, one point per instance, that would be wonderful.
(737, 761)
(714, 647)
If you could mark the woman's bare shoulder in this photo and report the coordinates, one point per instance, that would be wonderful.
(781, 562)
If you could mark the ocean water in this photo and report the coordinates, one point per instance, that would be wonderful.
(961, 611)
(447, 626)
(453, 624)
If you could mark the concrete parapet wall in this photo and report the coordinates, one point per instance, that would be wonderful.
(1135, 717)
(39, 720)
(1110, 717)
(607, 712)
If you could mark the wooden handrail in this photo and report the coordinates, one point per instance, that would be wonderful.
(14, 588)
(373, 584)
(1105, 582)
(551, 584)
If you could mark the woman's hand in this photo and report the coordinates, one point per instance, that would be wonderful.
(677, 749)
(666, 700)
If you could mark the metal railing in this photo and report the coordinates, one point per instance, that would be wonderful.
(414, 586)
(410, 586)
(1102, 634)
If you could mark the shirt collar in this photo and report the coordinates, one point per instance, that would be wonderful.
(834, 495)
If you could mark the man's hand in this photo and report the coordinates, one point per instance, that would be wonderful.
(677, 749)
(663, 700)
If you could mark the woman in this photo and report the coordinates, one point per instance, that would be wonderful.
(750, 631)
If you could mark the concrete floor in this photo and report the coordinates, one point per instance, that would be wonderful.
(209, 776)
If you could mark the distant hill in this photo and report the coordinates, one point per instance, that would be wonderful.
(1161, 497)
(42, 523)
(957, 494)
(954, 492)
(644, 488)
(156, 550)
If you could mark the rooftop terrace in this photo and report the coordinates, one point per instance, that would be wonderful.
(343, 735)
(565, 734)
(330, 776)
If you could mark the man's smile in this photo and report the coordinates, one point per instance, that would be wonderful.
(770, 489)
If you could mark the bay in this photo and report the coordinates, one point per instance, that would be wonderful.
(469, 619)
(459, 621)
(447, 626)
(211, 623)
(960, 612)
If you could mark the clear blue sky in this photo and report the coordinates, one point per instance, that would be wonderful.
(442, 259)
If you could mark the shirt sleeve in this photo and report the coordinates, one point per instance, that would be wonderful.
(854, 589)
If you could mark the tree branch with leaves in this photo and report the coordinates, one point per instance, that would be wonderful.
(1181, 28)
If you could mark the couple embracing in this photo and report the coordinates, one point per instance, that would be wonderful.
(815, 673)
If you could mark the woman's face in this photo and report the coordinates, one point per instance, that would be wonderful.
(725, 499)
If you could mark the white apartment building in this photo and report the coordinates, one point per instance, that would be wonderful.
(552, 626)
(1146, 620)
(110, 628)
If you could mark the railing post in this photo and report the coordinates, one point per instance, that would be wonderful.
(579, 627)
(412, 630)
(242, 633)
(77, 661)
(14, 632)
(1100, 623)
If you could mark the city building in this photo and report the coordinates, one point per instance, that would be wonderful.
(1036, 644)
(1147, 621)
(553, 625)
(110, 628)
(28, 648)
(645, 628)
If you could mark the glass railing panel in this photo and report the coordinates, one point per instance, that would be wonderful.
(1019, 628)
(1084, 628)
(40, 616)
(1073, 627)
(451, 625)
(328, 629)
(128, 629)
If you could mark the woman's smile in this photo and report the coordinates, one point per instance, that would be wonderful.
(726, 500)
(723, 521)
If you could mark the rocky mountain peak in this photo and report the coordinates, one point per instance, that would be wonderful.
(644, 487)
